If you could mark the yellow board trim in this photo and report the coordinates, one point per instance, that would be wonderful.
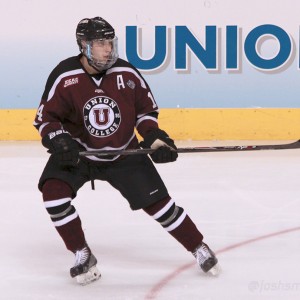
(188, 124)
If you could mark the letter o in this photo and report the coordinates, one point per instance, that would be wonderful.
(285, 47)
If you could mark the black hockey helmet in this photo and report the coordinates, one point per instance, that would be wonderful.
(94, 28)
(91, 29)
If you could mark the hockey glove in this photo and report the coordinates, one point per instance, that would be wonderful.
(164, 146)
(63, 147)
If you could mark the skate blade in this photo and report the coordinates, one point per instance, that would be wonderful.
(91, 275)
(215, 270)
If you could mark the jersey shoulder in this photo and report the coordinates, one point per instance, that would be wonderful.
(123, 66)
(67, 67)
(121, 63)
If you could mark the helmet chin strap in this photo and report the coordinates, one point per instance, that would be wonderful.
(93, 66)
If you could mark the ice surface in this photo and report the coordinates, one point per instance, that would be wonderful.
(234, 199)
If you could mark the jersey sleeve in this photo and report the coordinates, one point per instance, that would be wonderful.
(146, 108)
(53, 107)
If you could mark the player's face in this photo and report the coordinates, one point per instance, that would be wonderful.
(101, 50)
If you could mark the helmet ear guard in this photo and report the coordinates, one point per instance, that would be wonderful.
(88, 50)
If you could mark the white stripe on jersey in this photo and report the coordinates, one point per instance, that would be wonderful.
(57, 202)
(59, 78)
(145, 118)
(130, 70)
(42, 127)
(66, 220)
(145, 114)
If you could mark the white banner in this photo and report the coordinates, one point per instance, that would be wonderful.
(218, 54)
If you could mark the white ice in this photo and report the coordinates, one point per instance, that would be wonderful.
(247, 205)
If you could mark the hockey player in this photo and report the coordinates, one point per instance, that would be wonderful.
(95, 101)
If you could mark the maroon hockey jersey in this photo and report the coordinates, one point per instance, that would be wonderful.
(99, 113)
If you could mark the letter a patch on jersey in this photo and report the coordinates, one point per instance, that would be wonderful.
(120, 82)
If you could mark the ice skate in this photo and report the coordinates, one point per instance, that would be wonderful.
(85, 269)
(207, 260)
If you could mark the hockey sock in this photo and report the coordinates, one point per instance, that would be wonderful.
(57, 199)
(175, 220)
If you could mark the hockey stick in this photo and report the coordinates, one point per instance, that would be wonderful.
(294, 145)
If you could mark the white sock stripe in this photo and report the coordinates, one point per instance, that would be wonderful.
(66, 220)
(177, 222)
(163, 210)
(57, 202)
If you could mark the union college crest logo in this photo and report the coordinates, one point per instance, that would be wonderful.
(101, 116)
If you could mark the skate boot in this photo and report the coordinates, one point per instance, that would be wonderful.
(85, 269)
(207, 260)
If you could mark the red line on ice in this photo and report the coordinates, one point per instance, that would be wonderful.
(152, 294)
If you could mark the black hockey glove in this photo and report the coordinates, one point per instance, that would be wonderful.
(63, 147)
(163, 145)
